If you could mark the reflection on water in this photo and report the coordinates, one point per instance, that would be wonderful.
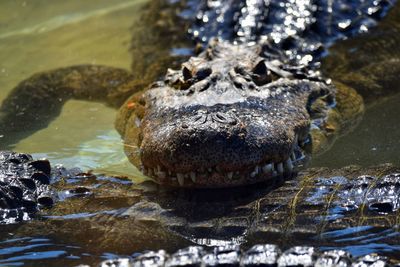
(30, 251)
(118, 218)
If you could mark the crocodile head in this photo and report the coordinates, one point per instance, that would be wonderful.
(228, 117)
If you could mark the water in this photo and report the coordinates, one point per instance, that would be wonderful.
(41, 35)
(374, 141)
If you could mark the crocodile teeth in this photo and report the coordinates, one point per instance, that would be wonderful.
(230, 175)
(193, 176)
(279, 167)
(181, 179)
(255, 172)
(289, 165)
(267, 168)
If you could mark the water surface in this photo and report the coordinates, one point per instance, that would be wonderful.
(42, 35)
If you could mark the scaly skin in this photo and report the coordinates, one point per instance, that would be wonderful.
(357, 204)
(258, 255)
(251, 107)
(24, 186)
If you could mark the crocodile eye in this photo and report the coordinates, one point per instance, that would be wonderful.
(186, 72)
(261, 74)
(260, 68)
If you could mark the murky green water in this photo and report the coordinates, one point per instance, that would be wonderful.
(375, 141)
(39, 35)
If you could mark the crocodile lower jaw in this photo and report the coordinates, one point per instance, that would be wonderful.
(215, 177)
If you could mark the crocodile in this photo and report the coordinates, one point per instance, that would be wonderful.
(251, 107)
(313, 208)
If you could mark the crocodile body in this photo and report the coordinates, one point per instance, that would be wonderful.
(251, 107)
(258, 255)
(353, 208)
(24, 186)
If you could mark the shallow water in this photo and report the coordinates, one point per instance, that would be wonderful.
(41, 35)
(375, 140)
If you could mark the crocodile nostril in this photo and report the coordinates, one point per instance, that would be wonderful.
(200, 118)
(224, 118)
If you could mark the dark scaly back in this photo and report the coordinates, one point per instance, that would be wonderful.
(292, 30)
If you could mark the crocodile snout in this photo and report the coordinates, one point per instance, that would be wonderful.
(220, 146)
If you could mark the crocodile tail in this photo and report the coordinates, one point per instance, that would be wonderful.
(36, 101)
